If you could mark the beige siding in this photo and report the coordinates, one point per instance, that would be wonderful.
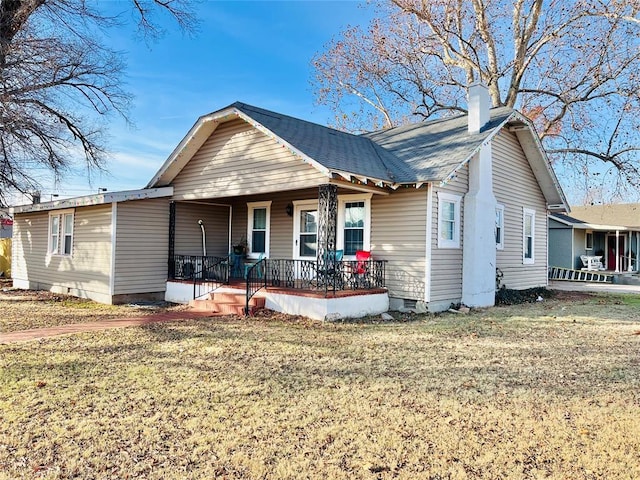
(281, 227)
(238, 160)
(142, 246)
(188, 235)
(446, 263)
(85, 273)
(516, 188)
(398, 234)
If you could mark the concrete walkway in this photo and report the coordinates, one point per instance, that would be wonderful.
(593, 287)
(37, 333)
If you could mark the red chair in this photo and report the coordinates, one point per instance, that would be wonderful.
(361, 269)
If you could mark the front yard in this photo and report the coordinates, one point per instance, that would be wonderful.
(549, 390)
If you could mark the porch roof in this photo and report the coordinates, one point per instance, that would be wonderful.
(580, 225)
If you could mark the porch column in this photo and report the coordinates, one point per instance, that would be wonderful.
(617, 250)
(629, 266)
(172, 240)
(327, 222)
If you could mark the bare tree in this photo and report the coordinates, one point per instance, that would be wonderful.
(572, 66)
(59, 82)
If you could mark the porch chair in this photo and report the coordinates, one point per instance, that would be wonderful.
(247, 266)
(360, 271)
(591, 263)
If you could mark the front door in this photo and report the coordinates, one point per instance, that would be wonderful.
(611, 252)
(305, 230)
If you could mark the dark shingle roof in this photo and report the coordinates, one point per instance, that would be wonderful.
(434, 149)
(567, 219)
(331, 148)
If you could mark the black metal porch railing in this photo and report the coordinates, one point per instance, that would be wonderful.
(213, 274)
(256, 279)
(343, 275)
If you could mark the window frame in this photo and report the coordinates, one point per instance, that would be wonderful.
(445, 197)
(500, 241)
(528, 212)
(251, 207)
(61, 234)
(366, 234)
(588, 234)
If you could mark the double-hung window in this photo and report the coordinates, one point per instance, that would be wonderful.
(528, 235)
(588, 241)
(500, 227)
(61, 233)
(354, 223)
(258, 221)
(448, 220)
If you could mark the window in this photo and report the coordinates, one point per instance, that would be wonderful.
(588, 241)
(353, 227)
(308, 243)
(258, 221)
(500, 227)
(528, 232)
(448, 220)
(354, 223)
(61, 233)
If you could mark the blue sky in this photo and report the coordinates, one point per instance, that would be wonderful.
(258, 52)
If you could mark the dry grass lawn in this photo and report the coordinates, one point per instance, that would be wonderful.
(550, 390)
(26, 309)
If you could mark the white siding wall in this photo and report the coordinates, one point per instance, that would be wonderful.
(398, 234)
(85, 273)
(446, 263)
(239, 160)
(516, 188)
(142, 246)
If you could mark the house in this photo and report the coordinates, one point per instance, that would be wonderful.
(609, 232)
(440, 205)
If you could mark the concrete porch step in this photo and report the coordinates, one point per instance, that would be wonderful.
(226, 303)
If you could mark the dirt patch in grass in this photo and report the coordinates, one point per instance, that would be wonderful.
(27, 309)
(544, 390)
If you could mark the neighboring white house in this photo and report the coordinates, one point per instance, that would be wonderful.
(440, 205)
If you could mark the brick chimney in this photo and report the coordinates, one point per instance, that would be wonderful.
(479, 104)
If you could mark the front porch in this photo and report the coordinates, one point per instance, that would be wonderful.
(297, 287)
(353, 289)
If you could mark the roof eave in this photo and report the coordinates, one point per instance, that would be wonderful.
(92, 200)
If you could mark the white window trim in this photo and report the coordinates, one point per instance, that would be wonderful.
(251, 206)
(456, 200)
(61, 233)
(586, 243)
(342, 201)
(500, 244)
(532, 213)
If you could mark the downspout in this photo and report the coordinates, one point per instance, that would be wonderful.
(204, 238)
